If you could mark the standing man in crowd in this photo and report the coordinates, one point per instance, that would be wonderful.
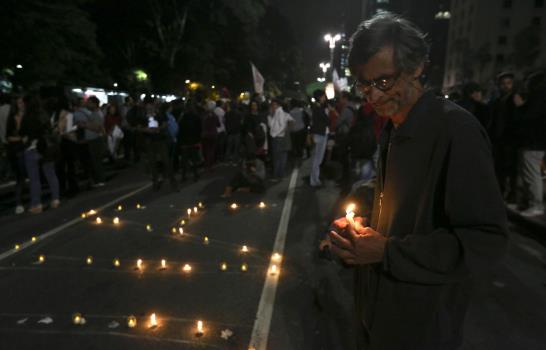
(278, 122)
(319, 130)
(438, 217)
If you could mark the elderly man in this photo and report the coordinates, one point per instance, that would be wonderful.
(438, 215)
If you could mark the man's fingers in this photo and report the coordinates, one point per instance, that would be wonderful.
(362, 221)
(340, 241)
(341, 223)
(343, 254)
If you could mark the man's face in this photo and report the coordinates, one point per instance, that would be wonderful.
(274, 106)
(506, 85)
(399, 97)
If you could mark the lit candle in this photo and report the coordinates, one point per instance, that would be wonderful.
(273, 269)
(131, 321)
(276, 257)
(181, 231)
(17, 247)
(149, 228)
(195, 210)
(139, 264)
(350, 214)
(182, 222)
(89, 260)
(189, 212)
(116, 221)
(173, 230)
(41, 259)
(153, 321)
(163, 264)
(34, 238)
(187, 268)
(77, 319)
(200, 205)
(223, 267)
(138, 206)
(233, 206)
(92, 212)
(84, 215)
(206, 240)
(244, 267)
(200, 330)
(116, 262)
(99, 220)
(244, 249)
(120, 208)
(262, 205)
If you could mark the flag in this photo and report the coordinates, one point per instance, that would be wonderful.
(335, 80)
(258, 79)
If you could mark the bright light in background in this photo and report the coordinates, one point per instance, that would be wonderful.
(324, 66)
(321, 80)
(443, 15)
(115, 84)
(331, 39)
(19, 66)
(446, 96)
(330, 91)
(141, 75)
(187, 81)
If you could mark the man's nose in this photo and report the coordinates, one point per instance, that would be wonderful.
(374, 94)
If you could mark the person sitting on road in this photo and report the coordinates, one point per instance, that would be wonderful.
(250, 179)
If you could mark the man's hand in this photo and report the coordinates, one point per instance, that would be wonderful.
(357, 245)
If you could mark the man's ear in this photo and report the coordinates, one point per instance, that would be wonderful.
(419, 71)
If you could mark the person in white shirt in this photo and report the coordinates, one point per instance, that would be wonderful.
(278, 121)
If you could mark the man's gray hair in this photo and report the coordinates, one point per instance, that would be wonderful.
(385, 29)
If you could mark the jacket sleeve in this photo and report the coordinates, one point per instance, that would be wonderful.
(475, 235)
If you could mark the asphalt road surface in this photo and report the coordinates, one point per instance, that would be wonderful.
(311, 308)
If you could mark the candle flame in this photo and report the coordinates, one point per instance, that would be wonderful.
(77, 318)
(276, 257)
(41, 259)
(350, 208)
(200, 330)
(92, 212)
(273, 269)
(183, 222)
(180, 231)
(262, 205)
(131, 321)
(34, 239)
(195, 210)
(188, 211)
(116, 221)
(244, 267)
(206, 240)
(99, 220)
(116, 262)
(120, 208)
(89, 260)
(149, 228)
(163, 264)
(138, 206)
(17, 247)
(139, 264)
(187, 268)
(200, 205)
(84, 215)
(244, 249)
(153, 320)
(224, 267)
(173, 230)
(233, 206)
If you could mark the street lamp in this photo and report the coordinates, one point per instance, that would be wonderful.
(324, 66)
(19, 66)
(332, 39)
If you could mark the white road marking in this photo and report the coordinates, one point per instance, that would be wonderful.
(60, 228)
(262, 324)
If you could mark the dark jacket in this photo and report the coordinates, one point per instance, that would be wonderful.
(319, 120)
(189, 131)
(439, 204)
(531, 122)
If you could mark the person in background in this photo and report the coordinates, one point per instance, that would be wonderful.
(94, 133)
(531, 119)
(278, 122)
(344, 122)
(298, 132)
(66, 165)
(473, 102)
(233, 130)
(189, 138)
(166, 109)
(132, 139)
(250, 179)
(209, 136)
(220, 113)
(15, 125)
(503, 137)
(5, 107)
(156, 139)
(319, 130)
(38, 156)
(112, 128)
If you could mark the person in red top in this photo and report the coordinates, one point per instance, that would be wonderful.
(111, 120)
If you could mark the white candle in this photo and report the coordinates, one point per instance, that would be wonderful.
(181, 231)
(195, 210)
(189, 213)
(244, 249)
(187, 268)
(273, 269)
(99, 220)
(153, 321)
(200, 329)
(163, 264)
(92, 212)
(139, 264)
(116, 221)
(276, 257)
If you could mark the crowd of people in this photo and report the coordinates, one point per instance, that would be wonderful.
(67, 142)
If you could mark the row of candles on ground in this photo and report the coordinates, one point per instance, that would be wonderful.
(187, 268)
(153, 322)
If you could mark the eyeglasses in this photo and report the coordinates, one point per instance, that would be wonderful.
(384, 83)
